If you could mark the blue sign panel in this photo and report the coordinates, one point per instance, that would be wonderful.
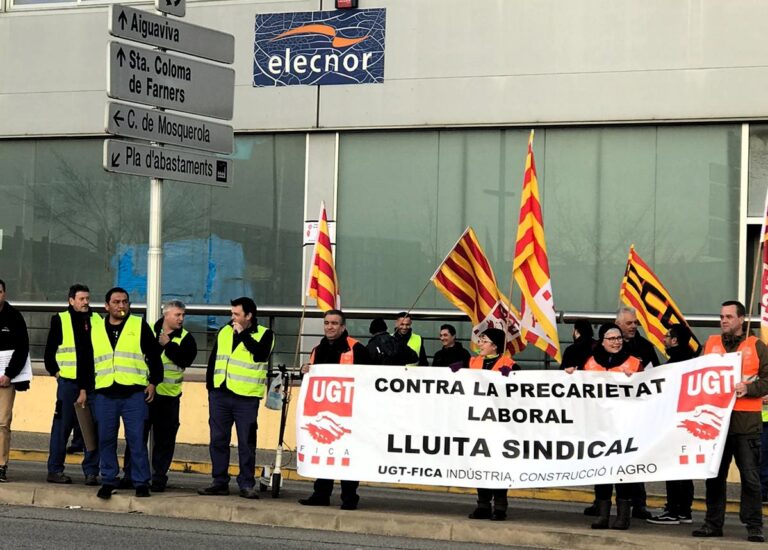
(319, 48)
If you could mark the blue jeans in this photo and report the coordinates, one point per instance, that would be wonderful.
(64, 420)
(225, 409)
(133, 411)
(163, 420)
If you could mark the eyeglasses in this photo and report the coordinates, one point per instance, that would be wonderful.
(613, 339)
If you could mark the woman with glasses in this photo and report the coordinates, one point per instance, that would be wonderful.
(491, 345)
(610, 355)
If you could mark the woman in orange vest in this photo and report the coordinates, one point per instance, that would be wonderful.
(492, 344)
(610, 355)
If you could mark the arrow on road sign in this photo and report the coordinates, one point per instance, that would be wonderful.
(115, 160)
(123, 19)
(118, 119)
(120, 56)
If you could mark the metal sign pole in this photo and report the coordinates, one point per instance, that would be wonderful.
(155, 251)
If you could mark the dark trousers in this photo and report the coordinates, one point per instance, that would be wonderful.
(324, 487)
(64, 420)
(133, 411)
(764, 460)
(624, 491)
(498, 496)
(226, 409)
(745, 449)
(679, 497)
(163, 421)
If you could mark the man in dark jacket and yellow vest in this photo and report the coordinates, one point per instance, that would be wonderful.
(237, 380)
(405, 335)
(336, 347)
(178, 352)
(743, 439)
(69, 343)
(124, 373)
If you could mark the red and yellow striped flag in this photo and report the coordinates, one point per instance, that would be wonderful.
(656, 310)
(466, 279)
(323, 284)
(531, 267)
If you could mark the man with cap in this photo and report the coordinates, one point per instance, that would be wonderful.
(491, 343)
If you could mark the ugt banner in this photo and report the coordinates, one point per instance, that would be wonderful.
(477, 428)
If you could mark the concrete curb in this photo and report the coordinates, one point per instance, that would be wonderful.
(278, 513)
(553, 494)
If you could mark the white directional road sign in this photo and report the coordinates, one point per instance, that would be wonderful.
(165, 80)
(163, 127)
(156, 30)
(174, 7)
(126, 157)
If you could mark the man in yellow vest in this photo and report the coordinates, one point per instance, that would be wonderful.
(68, 345)
(336, 347)
(743, 439)
(178, 352)
(125, 370)
(237, 381)
(405, 335)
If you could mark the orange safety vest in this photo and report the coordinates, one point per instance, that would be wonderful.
(347, 358)
(750, 366)
(632, 364)
(503, 361)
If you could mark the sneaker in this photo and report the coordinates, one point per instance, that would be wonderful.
(92, 480)
(157, 487)
(105, 492)
(685, 518)
(755, 534)
(142, 491)
(214, 490)
(664, 518)
(499, 515)
(250, 493)
(3, 474)
(707, 531)
(58, 477)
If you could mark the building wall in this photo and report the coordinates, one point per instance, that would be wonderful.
(502, 62)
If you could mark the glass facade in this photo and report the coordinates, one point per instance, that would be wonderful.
(405, 197)
(64, 220)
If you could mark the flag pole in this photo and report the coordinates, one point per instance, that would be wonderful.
(758, 263)
(423, 290)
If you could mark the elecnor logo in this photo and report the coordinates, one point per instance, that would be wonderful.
(705, 393)
(319, 48)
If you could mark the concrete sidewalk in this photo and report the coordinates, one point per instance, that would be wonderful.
(387, 511)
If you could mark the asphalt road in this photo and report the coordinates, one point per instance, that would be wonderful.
(63, 529)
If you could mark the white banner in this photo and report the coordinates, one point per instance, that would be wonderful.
(476, 428)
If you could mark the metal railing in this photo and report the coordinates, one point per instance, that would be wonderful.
(204, 320)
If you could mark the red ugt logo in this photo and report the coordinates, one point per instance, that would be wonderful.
(329, 400)
(702, 393)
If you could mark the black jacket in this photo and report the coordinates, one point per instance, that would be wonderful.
(81, 329)
(642, 349)
(13, 336)
(182, 354)
(445, 357)
(259, 350)
(329, 351)
(404, 352)
(577, 354)
(680, 353)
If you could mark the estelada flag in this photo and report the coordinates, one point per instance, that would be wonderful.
(656, 310)
(466, 279)
(323, 284)
(764, 276)
(530, 267)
